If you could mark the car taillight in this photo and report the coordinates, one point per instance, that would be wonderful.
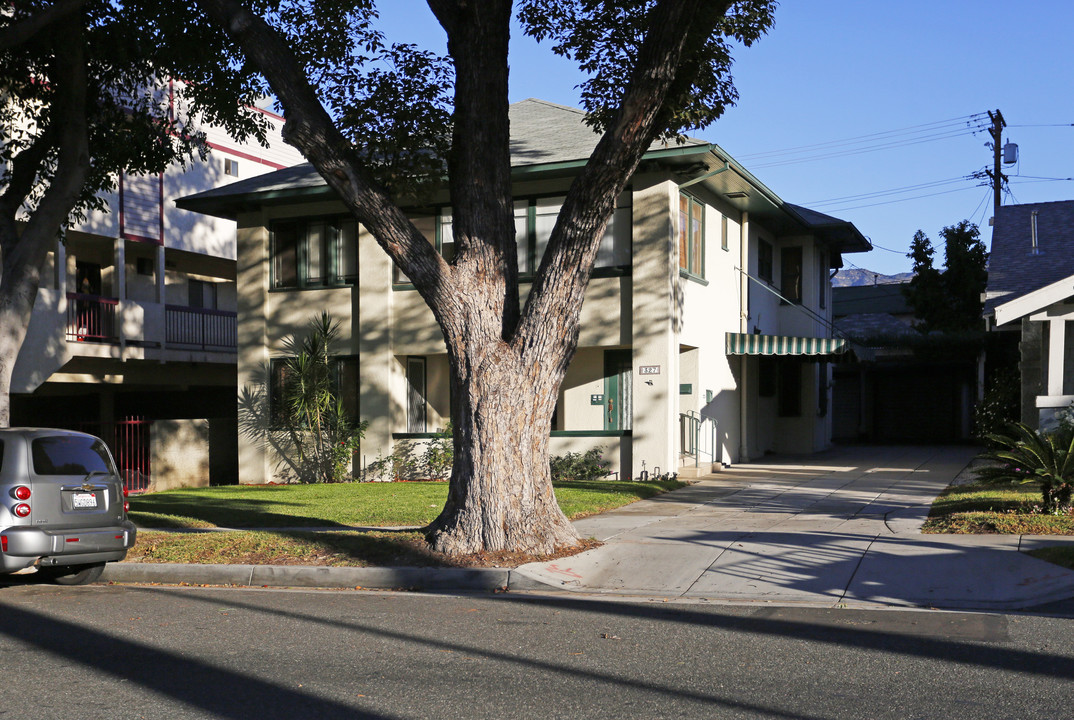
(22, 492)
(126, 491)
(21, 510)
(3, 543)
(126, 506)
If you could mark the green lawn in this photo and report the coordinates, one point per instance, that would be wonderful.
(349, 504)
(293, 507)
(994, 508)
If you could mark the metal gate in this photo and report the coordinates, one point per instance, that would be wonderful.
(132, 452)
(129, 444)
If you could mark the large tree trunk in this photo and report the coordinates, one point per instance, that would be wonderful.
(506, 365)
(501, 496)
(23, 253)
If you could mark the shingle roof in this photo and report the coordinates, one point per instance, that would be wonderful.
(544, 132)
(541, 133)
(1013, 270)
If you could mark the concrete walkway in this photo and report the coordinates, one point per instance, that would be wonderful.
(840, 528)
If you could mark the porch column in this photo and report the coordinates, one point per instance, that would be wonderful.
(372, 333)
(119, 286)
(1056, 345)
(655, 338)
(160, 295)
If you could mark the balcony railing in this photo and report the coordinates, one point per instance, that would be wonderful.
(200, 328)
(91, 318)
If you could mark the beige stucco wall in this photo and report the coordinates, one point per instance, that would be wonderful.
(179, 454)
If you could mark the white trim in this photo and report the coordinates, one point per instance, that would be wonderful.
(1034, 301)
(1050, 401)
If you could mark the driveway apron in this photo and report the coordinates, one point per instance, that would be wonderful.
(837, 528)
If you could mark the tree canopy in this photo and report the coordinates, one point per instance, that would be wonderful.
(948, 300)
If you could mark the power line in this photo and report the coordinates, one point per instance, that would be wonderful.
(891, 191)
(889, 202)
(873, 148)
(859, 139)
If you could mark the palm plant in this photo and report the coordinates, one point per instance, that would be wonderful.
(312, 412)
(1026, 455)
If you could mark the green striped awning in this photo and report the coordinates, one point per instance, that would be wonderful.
(743, 344)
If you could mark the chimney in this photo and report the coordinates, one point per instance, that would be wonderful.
(1034, 250)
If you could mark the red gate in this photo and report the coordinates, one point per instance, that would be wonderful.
(131, 450)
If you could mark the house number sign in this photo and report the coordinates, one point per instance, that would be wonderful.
(648, 370)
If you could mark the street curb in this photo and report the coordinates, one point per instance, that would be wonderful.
(306, 576)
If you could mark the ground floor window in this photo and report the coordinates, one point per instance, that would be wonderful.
(344, 376)
(416, 415)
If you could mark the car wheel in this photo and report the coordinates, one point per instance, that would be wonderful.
(75, 574)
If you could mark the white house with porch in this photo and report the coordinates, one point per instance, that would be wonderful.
(1030, 294)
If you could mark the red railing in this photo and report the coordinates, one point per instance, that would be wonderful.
(205, 329)
(91, 318)
(130, 448)
(132, 452)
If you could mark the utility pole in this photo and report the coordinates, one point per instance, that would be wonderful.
(997, 177)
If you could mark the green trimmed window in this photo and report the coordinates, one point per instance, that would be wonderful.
(691, 235)
(534, 219)
(345, 385)
(314, 252)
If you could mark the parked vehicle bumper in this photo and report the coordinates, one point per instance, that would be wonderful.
(27, 546)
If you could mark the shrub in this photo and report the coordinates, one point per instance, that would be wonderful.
(589, 465)
(999, 407)
(1026, 455)
(409, 462)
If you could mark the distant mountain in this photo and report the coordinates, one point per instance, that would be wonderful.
(855, 277)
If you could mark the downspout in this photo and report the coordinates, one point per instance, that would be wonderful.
(743, 327)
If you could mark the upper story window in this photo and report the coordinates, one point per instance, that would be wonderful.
(691, 235)
(764, 260)
(314, 252)
(790, 271)
(534, 220)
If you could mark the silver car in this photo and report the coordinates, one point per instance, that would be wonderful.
(63, 510)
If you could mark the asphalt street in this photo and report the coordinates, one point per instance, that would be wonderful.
(200, 652)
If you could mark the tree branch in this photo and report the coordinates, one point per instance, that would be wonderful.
(24, 171)
(22, 31)
(309, 128)
(565, 270)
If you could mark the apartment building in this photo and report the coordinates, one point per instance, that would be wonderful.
(705, 333)
(133, 330)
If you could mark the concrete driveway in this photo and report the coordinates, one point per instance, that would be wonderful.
(837, 528)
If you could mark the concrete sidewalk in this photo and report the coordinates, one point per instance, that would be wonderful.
(840, 528)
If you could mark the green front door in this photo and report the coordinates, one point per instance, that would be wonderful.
(618, 390)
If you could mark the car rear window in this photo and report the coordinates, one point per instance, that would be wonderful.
(69, 455)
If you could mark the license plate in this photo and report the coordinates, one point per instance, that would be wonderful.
(84, 500)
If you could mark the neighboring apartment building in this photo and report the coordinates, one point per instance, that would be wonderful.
(683, 359)
(133, 329)
(1030, 297)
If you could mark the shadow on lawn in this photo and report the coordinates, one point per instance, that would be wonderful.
(230, 512)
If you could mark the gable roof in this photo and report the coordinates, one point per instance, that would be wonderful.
(1035, 301)
(554, 140)
(1013, 269)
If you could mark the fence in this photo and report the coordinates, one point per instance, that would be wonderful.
(198, 327)
(91, 318)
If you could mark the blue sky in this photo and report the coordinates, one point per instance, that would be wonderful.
(888, 95)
